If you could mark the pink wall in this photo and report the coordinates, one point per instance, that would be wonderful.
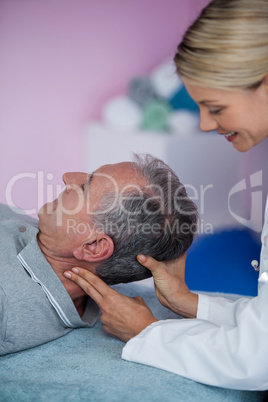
(60, 61)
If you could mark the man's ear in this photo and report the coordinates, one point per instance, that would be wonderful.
(97, 250)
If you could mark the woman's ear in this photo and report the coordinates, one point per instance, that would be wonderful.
(97, 250)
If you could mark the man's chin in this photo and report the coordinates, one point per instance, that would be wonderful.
(48, 209)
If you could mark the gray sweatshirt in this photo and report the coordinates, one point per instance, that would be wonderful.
(35, 308)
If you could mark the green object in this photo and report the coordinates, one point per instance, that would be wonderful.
(155, 116)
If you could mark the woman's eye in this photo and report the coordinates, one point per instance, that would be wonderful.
(216, 111)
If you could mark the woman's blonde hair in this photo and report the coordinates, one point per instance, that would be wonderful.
(227, 46)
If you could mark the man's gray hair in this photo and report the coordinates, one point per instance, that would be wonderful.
(157, 219)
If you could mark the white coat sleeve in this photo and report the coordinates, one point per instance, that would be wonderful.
(226, 356)
(219, 310)
(220, 351)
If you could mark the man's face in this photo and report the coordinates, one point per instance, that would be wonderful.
(66, 223)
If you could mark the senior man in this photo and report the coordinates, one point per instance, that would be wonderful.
(100, 222)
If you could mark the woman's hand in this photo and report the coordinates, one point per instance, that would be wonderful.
(122, 316)
(170, 286)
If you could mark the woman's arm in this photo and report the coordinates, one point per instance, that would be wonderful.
(226, 356)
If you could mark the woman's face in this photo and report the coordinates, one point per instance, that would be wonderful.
(241, 116)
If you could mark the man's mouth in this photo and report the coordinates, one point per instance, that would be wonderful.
(55, 204)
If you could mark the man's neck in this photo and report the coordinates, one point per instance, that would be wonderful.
(59, 266)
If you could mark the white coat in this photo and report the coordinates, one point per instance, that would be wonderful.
(226, 345)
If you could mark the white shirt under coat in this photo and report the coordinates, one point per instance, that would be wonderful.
(226, 345)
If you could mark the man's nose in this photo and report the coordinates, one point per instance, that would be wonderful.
(207, 122)
(77, 178)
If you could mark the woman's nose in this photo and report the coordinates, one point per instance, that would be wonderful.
(207, 122)
(77, 178)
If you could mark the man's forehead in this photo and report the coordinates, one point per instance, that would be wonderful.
(122, 172)
(117, 166)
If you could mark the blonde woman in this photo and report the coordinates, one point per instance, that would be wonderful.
(223, 61)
